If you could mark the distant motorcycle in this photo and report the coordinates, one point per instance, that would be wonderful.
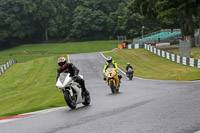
(112, 79)
(129, 73)
(72, 91)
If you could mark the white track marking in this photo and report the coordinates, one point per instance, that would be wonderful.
(31, 114)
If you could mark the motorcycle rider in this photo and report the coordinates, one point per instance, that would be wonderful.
(128, 66)
(70, 68)
(111, 63)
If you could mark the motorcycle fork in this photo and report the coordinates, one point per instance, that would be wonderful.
(112, 79)
(70, 91)
(116, 80)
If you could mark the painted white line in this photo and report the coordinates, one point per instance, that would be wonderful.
(16, 117)
(8, 120)
(44, 111)
(102, 55)
(30, 114)
(68, 58)
(197, 131)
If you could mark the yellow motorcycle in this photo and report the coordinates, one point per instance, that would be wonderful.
(112, 79)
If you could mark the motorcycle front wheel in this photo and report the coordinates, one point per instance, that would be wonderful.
(70, 100)
(113, 87)
(130, 77)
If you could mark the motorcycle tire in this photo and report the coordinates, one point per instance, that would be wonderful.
(71, 101)
(130, 77)
(113, 88)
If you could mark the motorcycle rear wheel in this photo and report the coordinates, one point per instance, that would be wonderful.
(70, 100)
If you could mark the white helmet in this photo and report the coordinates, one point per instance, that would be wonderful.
(109, 59)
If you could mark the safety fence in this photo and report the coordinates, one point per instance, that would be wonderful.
(135, 46)
(176, 58)
(6, 65)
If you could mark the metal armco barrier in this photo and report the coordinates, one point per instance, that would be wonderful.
(7, 65)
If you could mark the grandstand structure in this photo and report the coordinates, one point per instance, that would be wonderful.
(164, 35)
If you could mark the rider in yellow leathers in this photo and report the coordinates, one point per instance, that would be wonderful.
(111, 63)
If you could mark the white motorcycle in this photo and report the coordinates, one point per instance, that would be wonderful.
(72, 91)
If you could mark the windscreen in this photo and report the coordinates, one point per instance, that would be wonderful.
(62, 77)
(109, 69)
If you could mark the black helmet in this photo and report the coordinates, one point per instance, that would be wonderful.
(109, 59)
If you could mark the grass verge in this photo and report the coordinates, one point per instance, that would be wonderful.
(29, 86)
(150, 66)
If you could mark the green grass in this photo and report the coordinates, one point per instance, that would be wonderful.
(195, 52)
(33, 51)
(150, 66)
(29, 86)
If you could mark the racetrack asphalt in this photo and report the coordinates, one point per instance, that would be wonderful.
(142, 106)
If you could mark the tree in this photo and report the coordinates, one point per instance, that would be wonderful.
(14, 24)
(30, 21)
(168, 8)
(87, 23)
(52, 15)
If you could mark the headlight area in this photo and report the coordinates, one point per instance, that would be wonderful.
(107, 74)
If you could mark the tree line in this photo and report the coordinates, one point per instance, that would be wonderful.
(36, 21)
(186, 12)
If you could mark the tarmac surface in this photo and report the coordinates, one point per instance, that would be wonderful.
(141, 106)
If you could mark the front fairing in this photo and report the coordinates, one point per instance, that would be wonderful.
(64, 80)
(110, 72)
